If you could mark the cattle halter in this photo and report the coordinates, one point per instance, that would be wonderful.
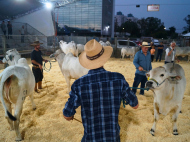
(158, 84)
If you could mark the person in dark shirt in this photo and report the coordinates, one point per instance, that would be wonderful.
(99, 93)
(160, 51)
(9, 26)
(36, 59)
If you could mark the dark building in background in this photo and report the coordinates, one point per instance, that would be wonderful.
(86, 17)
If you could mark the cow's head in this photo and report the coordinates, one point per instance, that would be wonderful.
(57, 52)
(11, 56)
(158, 76)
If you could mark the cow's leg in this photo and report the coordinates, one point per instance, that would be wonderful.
(174, 119)
(68, 83)
(32, 101)
(156, 117)
(17, 114)
(6, 116)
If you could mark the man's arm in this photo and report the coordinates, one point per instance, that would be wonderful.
(36, 63)
(135, 61)
(129, 96)
(72, 104)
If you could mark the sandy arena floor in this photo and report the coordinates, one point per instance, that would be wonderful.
(46, 123)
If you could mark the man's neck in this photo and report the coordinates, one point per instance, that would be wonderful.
(145, 53)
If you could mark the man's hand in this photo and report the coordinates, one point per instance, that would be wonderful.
(68, 118)
(140, 68)
(40, 66)
(136, 106)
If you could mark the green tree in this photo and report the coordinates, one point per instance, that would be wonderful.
(131, 27)
(187, 20)
(153, 25)
(143, 26)
(172, 32)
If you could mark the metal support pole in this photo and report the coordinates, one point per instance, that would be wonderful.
(4, 47)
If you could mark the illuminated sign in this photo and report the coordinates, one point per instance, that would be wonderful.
(153, 7)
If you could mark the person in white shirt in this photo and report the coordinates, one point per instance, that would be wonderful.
(22, 32)
(170, 53)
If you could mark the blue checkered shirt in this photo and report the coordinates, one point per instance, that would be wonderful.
(99, 93)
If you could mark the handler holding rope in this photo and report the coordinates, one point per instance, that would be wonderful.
(142, 62)
(36, 58)
(99, 93)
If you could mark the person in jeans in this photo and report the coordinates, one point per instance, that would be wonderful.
(160, 51)
(9, 27)
(3, 27)
(170, 53)
(142, 62)
(99, 93)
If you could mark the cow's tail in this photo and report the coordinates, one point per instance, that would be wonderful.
(3, 78)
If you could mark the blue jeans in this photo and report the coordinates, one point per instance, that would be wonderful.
(168, 62)
(159, 55)
(137, 80)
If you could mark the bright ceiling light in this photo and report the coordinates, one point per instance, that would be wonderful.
(48, 5)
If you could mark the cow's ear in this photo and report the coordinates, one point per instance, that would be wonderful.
(148, 74)
(175, 78)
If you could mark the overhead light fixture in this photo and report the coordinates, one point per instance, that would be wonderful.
(49, 5)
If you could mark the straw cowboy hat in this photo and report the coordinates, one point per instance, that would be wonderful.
(145, 44)
(36, 43)
(94, 55)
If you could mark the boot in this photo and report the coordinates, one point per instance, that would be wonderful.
(40, 85)
(35, 88)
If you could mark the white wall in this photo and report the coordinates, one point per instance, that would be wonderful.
(40, 20)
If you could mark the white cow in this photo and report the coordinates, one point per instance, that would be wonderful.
(108, 43)
(183, 51)
(16, 82)
(69, 65)
(12, 56)
(80, 49)
(68, 48)
(102, 43)
(129, 51)
(168, 84)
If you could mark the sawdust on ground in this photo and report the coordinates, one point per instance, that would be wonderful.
(46, 123)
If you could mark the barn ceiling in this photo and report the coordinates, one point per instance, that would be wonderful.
(11, 8)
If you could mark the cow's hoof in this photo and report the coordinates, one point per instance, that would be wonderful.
(175, 132)
(34, 108)
(18, 139)
(152, 132)
(180, 111)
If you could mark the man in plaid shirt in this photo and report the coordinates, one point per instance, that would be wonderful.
(99, 93)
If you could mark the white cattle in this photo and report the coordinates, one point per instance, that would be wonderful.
(68, 48)
(129, 51)
(80, 49)
(69, 65)
(183, 51)
(12, 56)
(168, 84)
(16, 82)
(102, 43)
(108, 43)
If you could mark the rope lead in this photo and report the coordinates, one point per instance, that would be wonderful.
(46, 69)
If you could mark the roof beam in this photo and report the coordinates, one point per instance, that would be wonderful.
(59, 3)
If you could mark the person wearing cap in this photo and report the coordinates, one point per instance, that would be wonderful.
(99, 93)
(170, 53)
(142, 62)
(36, 59)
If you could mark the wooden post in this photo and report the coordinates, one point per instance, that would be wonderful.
(4, 47)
